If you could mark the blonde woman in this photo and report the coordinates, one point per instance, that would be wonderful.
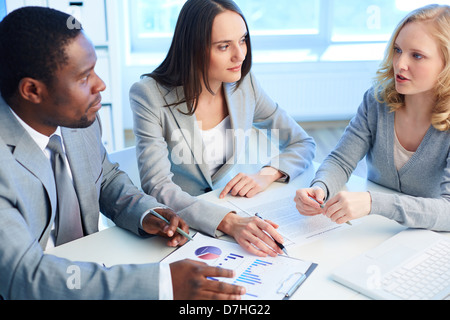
(402, 126)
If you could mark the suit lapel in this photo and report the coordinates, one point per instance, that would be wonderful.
(189, 129)
(30, 156)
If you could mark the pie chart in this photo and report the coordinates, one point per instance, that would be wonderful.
(208, 253)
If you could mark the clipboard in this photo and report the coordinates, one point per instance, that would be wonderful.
(294, 282)
(264, 278)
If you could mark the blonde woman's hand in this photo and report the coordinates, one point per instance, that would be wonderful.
(309, 200)
(346, 206)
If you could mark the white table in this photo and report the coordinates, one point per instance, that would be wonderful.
(117, 246)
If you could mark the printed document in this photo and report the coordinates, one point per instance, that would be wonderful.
(264, 278)
(294, 227)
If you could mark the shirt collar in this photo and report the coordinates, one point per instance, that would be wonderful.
(40, 139)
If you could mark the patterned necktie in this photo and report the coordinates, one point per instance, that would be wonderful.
(68, 218)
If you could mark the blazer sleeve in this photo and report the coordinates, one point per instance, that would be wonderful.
(297, 148)
(28, 273)
(154, 164)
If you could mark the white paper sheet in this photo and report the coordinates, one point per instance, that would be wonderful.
(264, 278)
(294, 227)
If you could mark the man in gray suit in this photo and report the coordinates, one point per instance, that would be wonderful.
(49, 87)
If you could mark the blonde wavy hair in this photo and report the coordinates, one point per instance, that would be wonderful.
(385, 92)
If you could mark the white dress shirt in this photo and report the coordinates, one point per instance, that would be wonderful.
(218, 145)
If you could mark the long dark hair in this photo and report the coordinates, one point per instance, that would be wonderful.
(187, 61)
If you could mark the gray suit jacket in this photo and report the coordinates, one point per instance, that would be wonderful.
(27, 213)
(170, 147)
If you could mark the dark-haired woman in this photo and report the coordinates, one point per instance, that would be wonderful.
(191, 115)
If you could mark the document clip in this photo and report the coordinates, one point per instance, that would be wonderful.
(291, 284)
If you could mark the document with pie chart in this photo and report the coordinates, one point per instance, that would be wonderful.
(264, 278)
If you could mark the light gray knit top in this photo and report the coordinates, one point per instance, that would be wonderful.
(424, 180)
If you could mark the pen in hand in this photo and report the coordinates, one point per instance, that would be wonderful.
(276, 242)
(156, 214)
(322, 205)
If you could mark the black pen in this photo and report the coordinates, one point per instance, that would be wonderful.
(277, 243)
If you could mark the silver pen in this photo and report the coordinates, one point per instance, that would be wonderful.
(322, 205)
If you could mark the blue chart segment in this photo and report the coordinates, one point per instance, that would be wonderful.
(231, 260)
(208, 253)
(251, 275)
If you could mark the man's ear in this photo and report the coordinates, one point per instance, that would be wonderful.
(32, 90)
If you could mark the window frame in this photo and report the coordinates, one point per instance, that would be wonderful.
(259, 42)
(311, 46)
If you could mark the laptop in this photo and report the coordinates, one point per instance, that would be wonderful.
(412, 265)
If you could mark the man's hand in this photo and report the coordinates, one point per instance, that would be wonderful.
(190, 282)
(156, 226)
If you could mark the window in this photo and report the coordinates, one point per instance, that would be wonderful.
(282, 17)
(282, 24)
(365, 21)
(2, 9)
(152, 24)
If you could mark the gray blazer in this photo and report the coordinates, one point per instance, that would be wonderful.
(27, 213)
(164, 134)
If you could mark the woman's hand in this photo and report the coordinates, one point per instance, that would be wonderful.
(342, 208)
(253, 234)
(248, 185)
(346, 206)
(309, 201)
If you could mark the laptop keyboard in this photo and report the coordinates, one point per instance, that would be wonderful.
(423, 277)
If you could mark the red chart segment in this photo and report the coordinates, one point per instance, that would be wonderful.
(208, 253)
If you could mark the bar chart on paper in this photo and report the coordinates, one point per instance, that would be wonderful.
(264, 278)
(253, 275)
(250, 274)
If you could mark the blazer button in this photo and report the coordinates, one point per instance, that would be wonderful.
(208, 190)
